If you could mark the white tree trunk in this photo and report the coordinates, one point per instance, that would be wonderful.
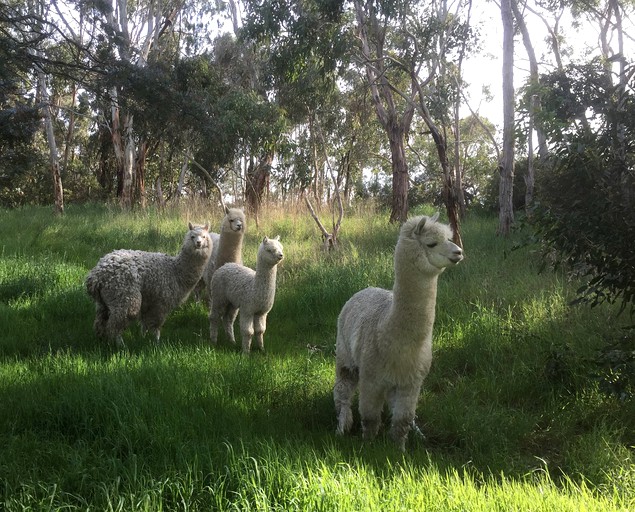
(506, 164)
(58, 190)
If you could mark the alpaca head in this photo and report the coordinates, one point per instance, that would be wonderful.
(197, 239)
(234, 220)
(427, 244)
(270, 251)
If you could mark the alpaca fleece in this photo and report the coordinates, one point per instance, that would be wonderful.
(384, 338)
(235, 287)
(228, 246)
(129, 285)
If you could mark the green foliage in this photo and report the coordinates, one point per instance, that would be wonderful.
(616, 367)
(587, 208)
(585, 216)
(510, 418)
(306, 49)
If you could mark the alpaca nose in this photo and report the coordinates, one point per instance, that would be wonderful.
(457, 254)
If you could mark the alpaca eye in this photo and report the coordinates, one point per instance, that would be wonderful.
(431, 245)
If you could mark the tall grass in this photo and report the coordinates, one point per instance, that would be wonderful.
(511, 415)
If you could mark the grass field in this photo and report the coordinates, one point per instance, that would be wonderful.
(511, 413)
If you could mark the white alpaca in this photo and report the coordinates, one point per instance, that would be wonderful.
(235, 287)
(128, 285)
(228, 246)
(384, 338)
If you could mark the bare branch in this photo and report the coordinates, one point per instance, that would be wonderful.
(209, 177)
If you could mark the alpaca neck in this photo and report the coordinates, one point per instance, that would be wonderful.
(188, 267)
(410, 294)
(230, 240)
(265, 283)
(414, 299)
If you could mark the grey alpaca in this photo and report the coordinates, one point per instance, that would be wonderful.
(129, 285)
(235, 287)
(384, 338)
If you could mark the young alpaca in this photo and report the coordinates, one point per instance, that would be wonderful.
(235, 287)
(384, 338)
(127, 285)
(228, 247)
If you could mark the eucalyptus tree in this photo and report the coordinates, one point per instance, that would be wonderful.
(134, 30)
(377, 27)
(423, 70)
(42, 52)
(303, 45)
(397, 46)
(506, 163)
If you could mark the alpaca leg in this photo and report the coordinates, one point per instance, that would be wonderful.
(403, 407)
(214, 319)
(156, 334)
(343, 390)
(101, 319)
(228, 322)
(152, 322)
(260, 326)
(117, 323)
(246, 331)
(119, 343)
(371, 402)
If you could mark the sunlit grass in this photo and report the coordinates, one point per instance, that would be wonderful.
(511, 413)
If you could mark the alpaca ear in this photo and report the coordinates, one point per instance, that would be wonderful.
(420, 226)
(207, 226)
(189, 225)
(277, 239)
(435, 217)
(265, 240)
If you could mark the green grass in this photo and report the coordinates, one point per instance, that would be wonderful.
(511, 413)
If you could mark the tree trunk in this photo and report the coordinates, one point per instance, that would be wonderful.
(128, 165)
(440, 142)
(534, 106)
(457, 188)
(530, 176)
(71, 129)
(58, 190)
(394, 123)
(506, 165)
(400, 179)
(449, 190)
(105, 174)
(39, 11)
(140, 174)
(257, 183)
(181, 183)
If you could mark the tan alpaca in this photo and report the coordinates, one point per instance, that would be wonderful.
(228, 247)
(384, 338)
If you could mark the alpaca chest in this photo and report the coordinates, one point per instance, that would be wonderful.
(403, 354)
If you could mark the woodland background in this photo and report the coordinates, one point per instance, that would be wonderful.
(324, 103)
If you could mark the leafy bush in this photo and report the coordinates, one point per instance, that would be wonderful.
(586, 209)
